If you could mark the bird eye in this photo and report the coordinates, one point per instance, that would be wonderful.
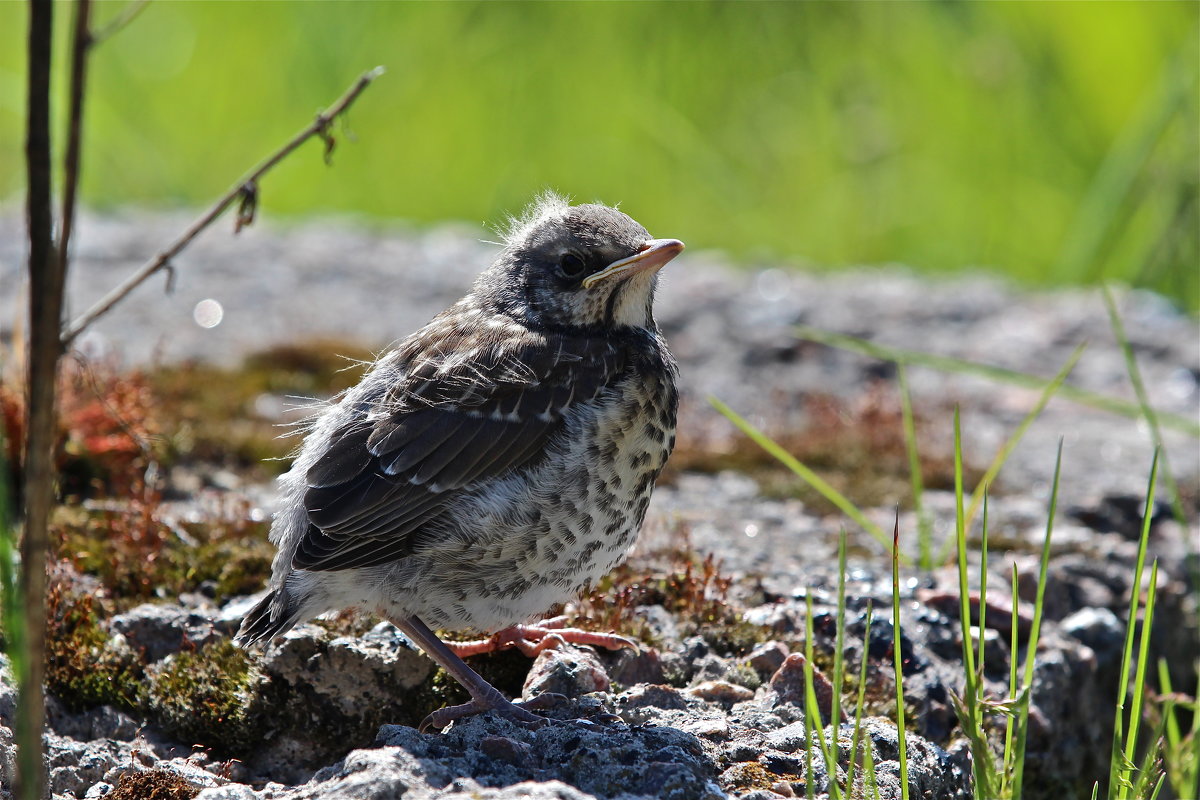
(571, 265)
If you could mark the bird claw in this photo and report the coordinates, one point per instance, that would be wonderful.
(531, 640)
(520, 713)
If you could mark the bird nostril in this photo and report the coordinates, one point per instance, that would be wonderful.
(644, 247)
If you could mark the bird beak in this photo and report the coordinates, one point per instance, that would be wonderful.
(653, 255)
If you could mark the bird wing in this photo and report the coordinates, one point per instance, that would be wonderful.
(465, 410)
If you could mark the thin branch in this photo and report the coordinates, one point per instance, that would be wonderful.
(128, 14)
(46, 280)
(79, 60)
(244, 188)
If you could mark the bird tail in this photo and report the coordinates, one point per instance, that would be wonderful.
(274, 615)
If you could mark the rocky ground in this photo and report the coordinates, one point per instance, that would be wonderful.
(712, 705)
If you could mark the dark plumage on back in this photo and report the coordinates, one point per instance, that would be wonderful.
(448, 424)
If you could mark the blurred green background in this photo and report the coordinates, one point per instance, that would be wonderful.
(1056, 142)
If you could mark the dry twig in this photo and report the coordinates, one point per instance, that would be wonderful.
(79, 61)
(244, 192)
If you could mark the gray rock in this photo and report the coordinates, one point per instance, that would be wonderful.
(569, 671)
(348, 674)
(75, 766)
(1099, 629)
(157, 630)
(8, 761)
(104, 722)
(767, 657)
(8, 693)
(230, 792)
(734, 335)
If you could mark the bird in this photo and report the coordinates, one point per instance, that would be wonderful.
(494, 463)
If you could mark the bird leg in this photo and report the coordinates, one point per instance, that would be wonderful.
(533, 639)
(484, 696)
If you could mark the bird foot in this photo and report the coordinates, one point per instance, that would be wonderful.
(533, 639)
(520, 713)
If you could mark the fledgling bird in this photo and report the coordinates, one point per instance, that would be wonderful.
(496, 461)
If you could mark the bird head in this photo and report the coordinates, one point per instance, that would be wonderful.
(585, 266)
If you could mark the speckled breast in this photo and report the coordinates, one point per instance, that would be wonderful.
(559, 527)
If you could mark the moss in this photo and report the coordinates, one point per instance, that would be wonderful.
(746, 675)
(215, 410)
(211, 696)
(83, 667)
(748, 775)
(153, 784)
(136, 557)
(693, 589)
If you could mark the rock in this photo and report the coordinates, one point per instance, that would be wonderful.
(104, 722)
(652, 697)
(931, 771)
(767, 657)
(347, 674)
(75, 766)
(734, 333)
(231, 792)
(157, 630)
(566, 670)
(1099, 629)
(789, 685)
(719, 692)
(644, 665)
(8, 761)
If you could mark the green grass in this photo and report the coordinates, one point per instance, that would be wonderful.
(898, 662)
(1141, 764)
(1170, 754)
(1055, 142)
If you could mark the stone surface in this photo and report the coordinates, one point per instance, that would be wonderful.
(158, 630)
(697, 720)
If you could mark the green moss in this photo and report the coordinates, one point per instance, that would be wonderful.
(211, 696)
(215, 410)
(83, 668)
(746, 675)
(137, 558)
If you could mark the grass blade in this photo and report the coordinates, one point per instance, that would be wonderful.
(869, 773)
(1139, 681)
(898, 660)
(962, 366)
(1009, 761)
(1170, 723)
(1116, 767)
(1099, 218)
(968, 707)
(804, 473)
(859, 702)
(813, 710)
(1012, 441)
(1034, 632)
(924, 524)
(983, 576)
(1148, 412)
(810, 791)
(839, 646)
(12, 621)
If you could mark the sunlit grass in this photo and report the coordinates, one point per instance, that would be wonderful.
(938, 135)
(1140, 765)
